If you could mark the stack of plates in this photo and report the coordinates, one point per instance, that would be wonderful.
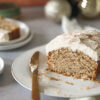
(25, 37)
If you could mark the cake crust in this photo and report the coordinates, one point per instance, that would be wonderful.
(14, 34)
(14, 31)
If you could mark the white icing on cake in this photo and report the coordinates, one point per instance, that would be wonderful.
(4, 35)
(86, 41)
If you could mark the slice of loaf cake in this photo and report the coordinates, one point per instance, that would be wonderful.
(8, 30)
(75, 54)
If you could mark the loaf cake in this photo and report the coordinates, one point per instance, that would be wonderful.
(8, 30)
(76, 54)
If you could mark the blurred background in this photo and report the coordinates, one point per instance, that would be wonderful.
(26, 2)
(55, 9)
(68, 15)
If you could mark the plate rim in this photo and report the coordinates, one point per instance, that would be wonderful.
(18, 44)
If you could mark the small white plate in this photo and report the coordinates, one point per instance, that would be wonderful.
(18, 44)
(22, 75)
(1, 65)
(24, 32)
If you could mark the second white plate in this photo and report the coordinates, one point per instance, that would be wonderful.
(18, 44)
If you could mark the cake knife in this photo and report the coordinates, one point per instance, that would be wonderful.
(34, 69)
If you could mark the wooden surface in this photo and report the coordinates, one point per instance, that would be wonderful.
(27, 2)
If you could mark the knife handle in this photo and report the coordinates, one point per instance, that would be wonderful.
(35, 86)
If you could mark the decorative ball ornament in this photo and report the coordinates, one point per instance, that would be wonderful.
(56, 9)
(89, 8)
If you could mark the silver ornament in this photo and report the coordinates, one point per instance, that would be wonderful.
(56, 9)
(89, 8)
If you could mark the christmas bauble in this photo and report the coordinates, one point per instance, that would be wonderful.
(56, 9)
(89, 8)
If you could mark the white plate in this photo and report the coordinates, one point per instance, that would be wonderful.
(22, 75)
(24, 32)
(18, 44)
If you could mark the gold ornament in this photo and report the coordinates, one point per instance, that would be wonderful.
(56, 9)
(89, 8)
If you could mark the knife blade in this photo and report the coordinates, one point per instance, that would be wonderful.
(34, 68)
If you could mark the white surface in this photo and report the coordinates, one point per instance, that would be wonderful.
(24, 32)
(1, 65)
(22, 75)
(78, 41)
(17, 44)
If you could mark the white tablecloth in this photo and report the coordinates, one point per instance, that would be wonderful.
(44, 30)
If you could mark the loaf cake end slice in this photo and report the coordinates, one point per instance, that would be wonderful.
(75, 54)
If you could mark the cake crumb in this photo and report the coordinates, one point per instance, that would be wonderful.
(47, 69)
(69, 83)
(53, 78)
(87, 88)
